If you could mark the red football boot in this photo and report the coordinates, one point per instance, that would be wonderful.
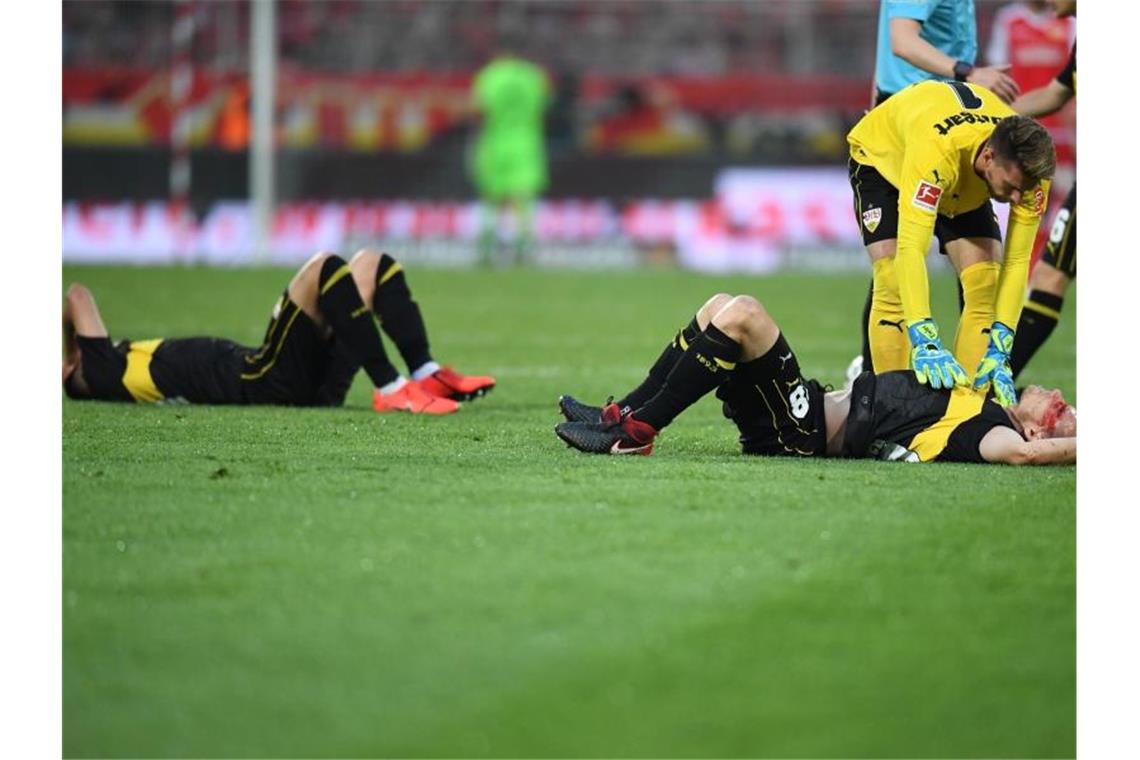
(447, 383)
(412, 398)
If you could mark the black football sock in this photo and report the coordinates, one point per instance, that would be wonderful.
(868, 362)
(660, 369)
(708, 362)
(351, 321)
(399, 315)
(1038, 318)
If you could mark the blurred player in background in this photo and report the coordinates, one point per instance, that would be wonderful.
(1037, 42)
(932, 39)
(509, 164)
(1058, 266)
(321, 332)
(734, 346)
(927, 162)
(919, 40)
(1033, 40)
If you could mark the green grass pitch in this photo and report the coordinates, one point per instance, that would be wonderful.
(259, 581)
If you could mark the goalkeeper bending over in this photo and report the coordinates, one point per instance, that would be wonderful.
(321, 332)
(735, 347)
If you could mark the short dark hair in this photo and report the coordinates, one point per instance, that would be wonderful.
(1025, 142)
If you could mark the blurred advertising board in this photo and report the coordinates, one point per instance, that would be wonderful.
(759, 220)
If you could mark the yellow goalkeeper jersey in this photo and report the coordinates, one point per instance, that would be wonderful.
(924, 141)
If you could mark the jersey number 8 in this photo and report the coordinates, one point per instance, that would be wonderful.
(798, 400)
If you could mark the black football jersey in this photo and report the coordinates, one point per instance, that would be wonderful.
(196, 370)
(937, 425)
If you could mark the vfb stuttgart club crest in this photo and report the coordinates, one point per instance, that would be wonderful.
(871, 218)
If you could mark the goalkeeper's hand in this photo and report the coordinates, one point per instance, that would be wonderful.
(932, 363)
(995, 368)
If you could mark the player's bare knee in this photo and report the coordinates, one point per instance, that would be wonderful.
(882, 249)
(306, 284)
(1049, 279)
(365, 257)
(740, 316)
(364, 265)
(745, 319)
(711, 307)
(750, 310)
(310, 271)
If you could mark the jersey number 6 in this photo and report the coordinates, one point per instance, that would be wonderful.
(965, 95)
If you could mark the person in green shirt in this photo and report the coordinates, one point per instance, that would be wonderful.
(509, 161)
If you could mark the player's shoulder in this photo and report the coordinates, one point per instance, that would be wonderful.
(960, 102)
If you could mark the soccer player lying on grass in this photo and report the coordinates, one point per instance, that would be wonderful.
(321, 332)
(735, 347)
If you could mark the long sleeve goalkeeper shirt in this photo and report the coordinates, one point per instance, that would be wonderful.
(924, 141)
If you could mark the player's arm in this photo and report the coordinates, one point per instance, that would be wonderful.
(1003, 445)
(926, 174)
(1024, 219)
(1043, 100)
(907, 43)
(994, 367)
(81, 315)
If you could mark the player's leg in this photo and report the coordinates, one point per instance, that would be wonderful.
(524, 219)
(487, 245)
(673, 351)
(574, 410)
(777, 410)
(876, 208)
(383, 284)
(886, 330)
(972, 242)
(740, 334)
(739, 331)
(325, 289)
(706, 363)
(1047, 286)
(976, 261)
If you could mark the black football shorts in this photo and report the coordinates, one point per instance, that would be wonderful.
(774, 421)
(291, 362)
(877, 211)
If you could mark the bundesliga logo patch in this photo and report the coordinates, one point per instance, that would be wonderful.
(1039, 201)
(871, 218)
(927, 195)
